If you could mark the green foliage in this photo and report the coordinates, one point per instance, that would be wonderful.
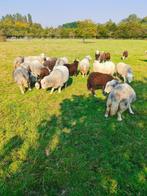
(20, 26)
(87, 154)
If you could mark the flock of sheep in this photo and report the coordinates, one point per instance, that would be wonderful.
(46, 72)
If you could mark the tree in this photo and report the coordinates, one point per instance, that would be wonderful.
(30, 19)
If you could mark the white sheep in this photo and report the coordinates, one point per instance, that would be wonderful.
(61, 61)
(22, 78)
(57, 78)
(84, 65)
(64, 70)
(39, 58)
(120, 98)
(107, 67)
(125, 71)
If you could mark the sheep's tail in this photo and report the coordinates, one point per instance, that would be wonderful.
(114, 107)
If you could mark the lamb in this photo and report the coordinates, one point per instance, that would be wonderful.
(125, 55)
(97, 81)
(73, 68)
(105, 68)
(104, 56)
(85, 65)
(22, 78)
(61, 61)
(125, 71)
(97, 55)
(57, 78)
(120, 98)
(50, 63)
(41, 58)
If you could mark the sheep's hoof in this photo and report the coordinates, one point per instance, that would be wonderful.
(119, 119)
(106, 115)
(131, 112)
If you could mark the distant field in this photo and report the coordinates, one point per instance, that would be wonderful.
(88, 155)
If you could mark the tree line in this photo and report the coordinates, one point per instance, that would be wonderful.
(20, 26)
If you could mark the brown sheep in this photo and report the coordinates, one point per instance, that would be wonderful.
(73, 68)
(50, 63)
(125, 55)
(97, 80)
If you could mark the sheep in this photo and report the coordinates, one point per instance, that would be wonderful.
(27, 60)
(22, 78)
(125, 55)
(104, 56)
(85, 65)
(105, 68)
(97, 81)
(125, 71)
(61, 61)
(41, 58)
(55, 80)
(97, 55)
(18, 61)
(50, 63)
(120, 98)
(65, 71)
(73, 67)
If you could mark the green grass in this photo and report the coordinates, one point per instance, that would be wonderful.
(88, 155)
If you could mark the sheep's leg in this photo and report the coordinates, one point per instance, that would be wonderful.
(107, 112)
(65, 84)
(130, 109)
(59, 89)
(21, 89)
(52, 90)
(119, 118)
(93, 92)
(29, 86)
(124, 79)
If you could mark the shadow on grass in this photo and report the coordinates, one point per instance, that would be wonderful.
(79, 152)
(144, 60)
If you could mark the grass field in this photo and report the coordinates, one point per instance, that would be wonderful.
(87, 154)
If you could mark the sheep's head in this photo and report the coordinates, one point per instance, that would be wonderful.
(97, 52)
(46, 83)
(110, 85)
(130, 76)
(88, 57)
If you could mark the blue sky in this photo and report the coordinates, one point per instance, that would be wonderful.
(56, 12)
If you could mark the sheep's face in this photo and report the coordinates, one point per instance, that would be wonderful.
(45, 83)
(110, 85)
(130, 77)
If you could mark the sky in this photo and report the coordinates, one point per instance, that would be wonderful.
(58, 12)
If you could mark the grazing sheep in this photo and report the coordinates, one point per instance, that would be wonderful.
(55, 80)
(50, 63)
(22, 78)
(97, 81)
(97, 55)
(65, 72)
(85, 65)
(125, 55)
(120, 98)
(73, 68)
(41, 58)
(61, 61)
(105, 68)
(125, 71)
(18, 61)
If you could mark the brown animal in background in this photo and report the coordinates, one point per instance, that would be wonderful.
(73, 68)
(50, 63)
(107, 56)
(97, 80)
(125, 55)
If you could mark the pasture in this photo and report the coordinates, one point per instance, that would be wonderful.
(87, 154)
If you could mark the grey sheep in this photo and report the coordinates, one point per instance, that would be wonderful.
(84, 65)
(22, 78)
(125, 71)
(55, 80)
(120, 98)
